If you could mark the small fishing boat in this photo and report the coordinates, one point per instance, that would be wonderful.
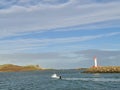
(55, 76)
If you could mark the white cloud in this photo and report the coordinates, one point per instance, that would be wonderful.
(40, 17)
(18, 17)
(75, 59)
(20, 45)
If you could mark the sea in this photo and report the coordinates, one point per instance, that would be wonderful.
(71, 80)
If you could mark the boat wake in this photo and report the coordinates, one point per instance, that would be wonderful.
(95, 79)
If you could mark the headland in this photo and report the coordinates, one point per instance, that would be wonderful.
(16, 68)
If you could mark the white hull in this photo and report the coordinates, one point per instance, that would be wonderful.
(55, 76)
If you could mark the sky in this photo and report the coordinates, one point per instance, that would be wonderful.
(60, 33)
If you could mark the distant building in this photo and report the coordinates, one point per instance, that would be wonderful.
(37, 66)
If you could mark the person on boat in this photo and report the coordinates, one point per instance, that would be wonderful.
(60, 77)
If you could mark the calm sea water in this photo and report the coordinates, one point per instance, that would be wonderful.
(72, 80)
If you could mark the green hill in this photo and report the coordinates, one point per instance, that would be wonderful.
(16, 68)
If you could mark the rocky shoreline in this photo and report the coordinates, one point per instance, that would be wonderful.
(103, 69)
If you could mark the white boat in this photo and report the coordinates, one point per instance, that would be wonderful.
(55, 76)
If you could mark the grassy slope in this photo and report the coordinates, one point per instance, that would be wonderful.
(11, 67)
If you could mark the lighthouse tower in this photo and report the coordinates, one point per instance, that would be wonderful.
(95, 62)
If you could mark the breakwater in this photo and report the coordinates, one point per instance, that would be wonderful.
(103, 69)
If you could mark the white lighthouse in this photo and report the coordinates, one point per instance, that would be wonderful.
(95, 62)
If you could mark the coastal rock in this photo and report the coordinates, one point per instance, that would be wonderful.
(103, 69)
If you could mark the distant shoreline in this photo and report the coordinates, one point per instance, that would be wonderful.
(16, 68)
(103, 69)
